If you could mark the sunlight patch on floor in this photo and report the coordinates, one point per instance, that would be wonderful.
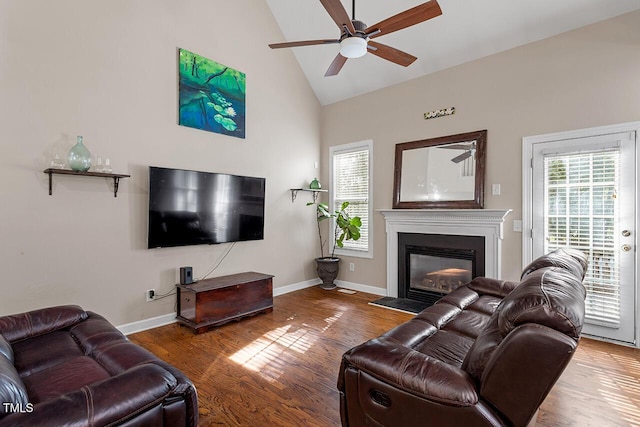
(269, 354)
(620, 391)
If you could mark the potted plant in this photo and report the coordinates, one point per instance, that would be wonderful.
(346, 228)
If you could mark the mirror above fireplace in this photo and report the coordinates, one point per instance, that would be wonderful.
(443, 172)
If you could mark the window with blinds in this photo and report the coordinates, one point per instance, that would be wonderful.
(580, 212)
(351, 181)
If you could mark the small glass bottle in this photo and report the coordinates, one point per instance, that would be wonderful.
(57, 162)
(107, 166)
(98, 165)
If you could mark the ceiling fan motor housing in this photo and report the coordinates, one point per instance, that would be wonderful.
(359, 26)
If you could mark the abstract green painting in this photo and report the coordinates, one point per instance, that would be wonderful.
(211, 95)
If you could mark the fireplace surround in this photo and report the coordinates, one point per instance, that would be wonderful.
(485, 223)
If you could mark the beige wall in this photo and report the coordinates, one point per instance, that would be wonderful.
(107, 70)
(584, 78)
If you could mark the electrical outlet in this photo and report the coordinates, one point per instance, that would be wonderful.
(150, 294)
(352, 267)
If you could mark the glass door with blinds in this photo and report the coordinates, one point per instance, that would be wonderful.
(584, 198)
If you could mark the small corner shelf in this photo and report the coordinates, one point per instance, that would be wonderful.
(115, 176)
(294, 193)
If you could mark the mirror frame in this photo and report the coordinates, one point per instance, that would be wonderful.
(477, 202)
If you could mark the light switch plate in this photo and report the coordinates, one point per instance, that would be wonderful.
(517, 225)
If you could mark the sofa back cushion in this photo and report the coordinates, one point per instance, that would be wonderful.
(22, 326)
(567, 258)
(550, 296)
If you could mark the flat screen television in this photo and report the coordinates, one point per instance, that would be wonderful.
(193, 208)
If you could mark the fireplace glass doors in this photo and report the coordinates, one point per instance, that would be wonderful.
(432, 265)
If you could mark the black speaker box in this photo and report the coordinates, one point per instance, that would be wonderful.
(186, 275)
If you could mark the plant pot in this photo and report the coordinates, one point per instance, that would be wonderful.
(327, 269)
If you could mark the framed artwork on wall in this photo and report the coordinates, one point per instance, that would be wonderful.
(211, 96)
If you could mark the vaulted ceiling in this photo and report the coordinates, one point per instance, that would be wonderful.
(466, 30)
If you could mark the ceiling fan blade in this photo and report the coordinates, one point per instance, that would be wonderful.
(335, 9)
(458, 146)
(336, 66)
(405, 19)
(303, 43)
(461, 157)
(391, 54)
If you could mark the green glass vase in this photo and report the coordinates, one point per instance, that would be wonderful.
(315, 184)
(79, 158)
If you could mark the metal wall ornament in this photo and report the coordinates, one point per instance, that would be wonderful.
(440, 113)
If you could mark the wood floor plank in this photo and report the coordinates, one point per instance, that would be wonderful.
(281, 368)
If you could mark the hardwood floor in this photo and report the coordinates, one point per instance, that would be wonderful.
(281, 368)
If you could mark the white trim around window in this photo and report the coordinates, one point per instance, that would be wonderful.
(362, 193)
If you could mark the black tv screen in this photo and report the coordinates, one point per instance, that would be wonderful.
(192, 208)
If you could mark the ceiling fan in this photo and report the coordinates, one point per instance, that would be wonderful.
(355, 36)
(469, 150)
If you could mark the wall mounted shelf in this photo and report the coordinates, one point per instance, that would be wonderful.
(294, 193)
(115, 176)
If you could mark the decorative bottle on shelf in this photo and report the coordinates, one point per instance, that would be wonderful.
(107, 166)
(79, 158)
(315, 184)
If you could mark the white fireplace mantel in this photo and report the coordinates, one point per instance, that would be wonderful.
(461, 222)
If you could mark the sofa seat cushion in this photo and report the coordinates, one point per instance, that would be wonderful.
(44, 351)
(447, 330)
(65, 377)
(447, 347)
(468, 323)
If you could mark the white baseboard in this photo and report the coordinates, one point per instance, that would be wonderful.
(362, 288)
(167, 319)
(143, 325)
(281, 290)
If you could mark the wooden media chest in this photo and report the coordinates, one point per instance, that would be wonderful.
(213, 302)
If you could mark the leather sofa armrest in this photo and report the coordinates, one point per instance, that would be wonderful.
(524, 368)
(107, 402)
(17, 327)
(494, 287)
(412, 371)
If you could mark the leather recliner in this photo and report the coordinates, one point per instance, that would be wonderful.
(486, 354)
(65, 366)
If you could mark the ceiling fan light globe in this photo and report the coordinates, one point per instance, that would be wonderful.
(353, 47)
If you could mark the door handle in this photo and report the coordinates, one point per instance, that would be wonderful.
(626, 233)
(626, 248)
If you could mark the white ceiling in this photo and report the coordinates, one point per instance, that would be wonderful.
(466, 30)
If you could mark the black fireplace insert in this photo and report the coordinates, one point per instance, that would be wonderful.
(432, 265)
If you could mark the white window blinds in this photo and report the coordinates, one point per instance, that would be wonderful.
(351, 172)
(580, 212)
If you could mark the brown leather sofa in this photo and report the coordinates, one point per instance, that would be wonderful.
(65, 366)
(487, 354)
